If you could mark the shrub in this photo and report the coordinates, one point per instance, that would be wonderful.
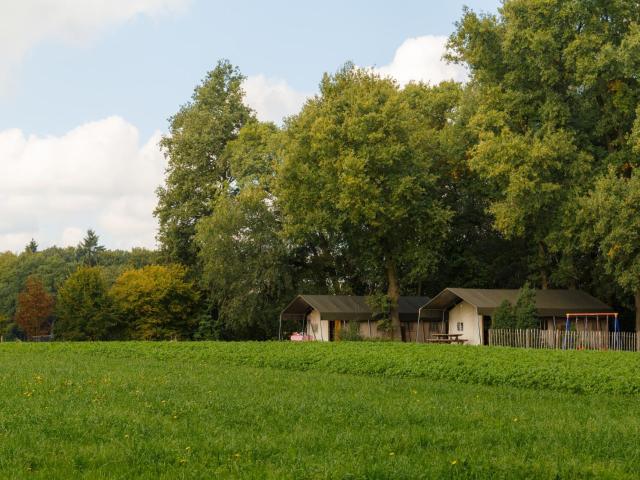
(525, 308)
(521, 315)
(380, 305)
(10, 330)
(504, 316)
(351, 333)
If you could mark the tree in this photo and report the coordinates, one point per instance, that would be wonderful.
(34, 308)
(51, 266)
(610, 218)
(504, 316)
(31, 247)
(115, 262)
(89, 249)
(197, 170)
(244, 263)
(359, 171)
(156, 302)
(475, 254)
(246, 266)
(83, 307)
(524, 311)
(554, 89)
(521, 315)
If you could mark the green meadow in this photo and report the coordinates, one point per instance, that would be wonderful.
(347, 410)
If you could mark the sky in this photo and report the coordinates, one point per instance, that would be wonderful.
(87, 87)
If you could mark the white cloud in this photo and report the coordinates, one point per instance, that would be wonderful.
(97, 176)
(420, 59)
(272, 98)
(72, 235)
(26, 23)
(417, 59)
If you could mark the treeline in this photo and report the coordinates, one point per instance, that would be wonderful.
(90, 293)
(528, 172)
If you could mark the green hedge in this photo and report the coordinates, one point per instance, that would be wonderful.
(572, 371)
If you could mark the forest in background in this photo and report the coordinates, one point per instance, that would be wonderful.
(528, 172)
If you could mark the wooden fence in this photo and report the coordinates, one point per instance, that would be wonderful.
(562, 340)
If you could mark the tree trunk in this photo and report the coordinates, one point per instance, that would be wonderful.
(393, 292)
(544, 284)
(637, 302)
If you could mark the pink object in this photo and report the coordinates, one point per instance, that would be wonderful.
(300, 337)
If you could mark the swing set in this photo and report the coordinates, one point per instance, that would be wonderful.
(606, 316)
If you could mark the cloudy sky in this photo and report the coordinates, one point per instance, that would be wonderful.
(86, 87)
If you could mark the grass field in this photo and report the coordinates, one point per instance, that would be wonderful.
(247, 410)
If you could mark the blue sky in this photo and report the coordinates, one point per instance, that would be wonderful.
(82, 75)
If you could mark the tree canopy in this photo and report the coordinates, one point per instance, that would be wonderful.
(358, 173)
(525, 174)
(83, 308)
(156, 302)
(89, 249)
(198, 169)
(610, 217)
(35, 308)
(554, 91)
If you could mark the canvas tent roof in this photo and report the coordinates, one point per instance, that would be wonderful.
(349, 307)
(548, 302)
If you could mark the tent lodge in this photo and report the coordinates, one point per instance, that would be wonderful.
(468, 311)
(324, 317)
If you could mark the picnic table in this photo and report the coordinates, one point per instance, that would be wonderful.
(446, 338)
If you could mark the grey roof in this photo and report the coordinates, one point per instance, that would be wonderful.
(349, 307)
(548, 302)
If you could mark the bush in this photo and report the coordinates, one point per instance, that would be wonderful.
(521, 315)
(351, 333)
(380, 305)
(504, 316)
(525, 309)
(9, 330)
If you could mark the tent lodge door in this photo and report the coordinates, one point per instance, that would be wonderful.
(334, 330)
(486, 325)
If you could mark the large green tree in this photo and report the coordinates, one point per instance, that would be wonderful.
(360, 171)
(89, 249)
(610, 219)
(156, 303)
(197, 169)
(245, 262)
(83, 307)
(51, 266)
(554, 89)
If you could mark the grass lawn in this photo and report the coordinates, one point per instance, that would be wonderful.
(189, 411)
